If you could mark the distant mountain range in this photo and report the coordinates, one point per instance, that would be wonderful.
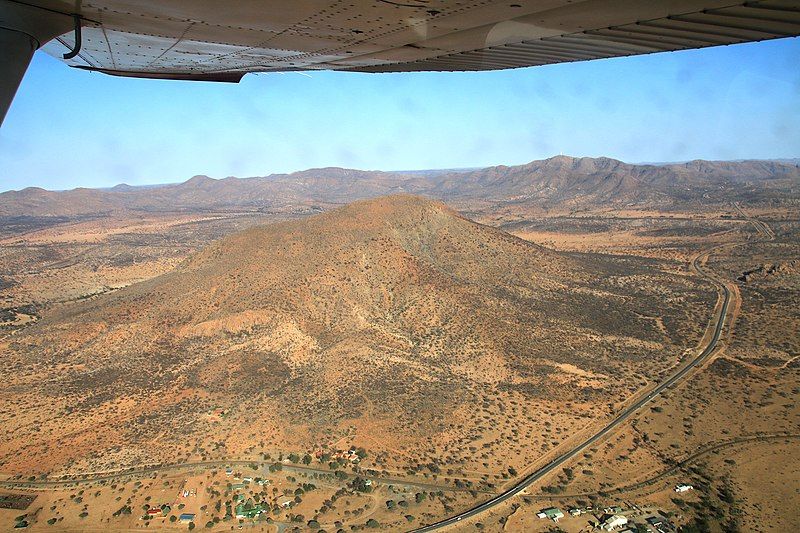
(557, 182)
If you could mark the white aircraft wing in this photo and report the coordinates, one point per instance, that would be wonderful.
(222, 40)
(225, 39)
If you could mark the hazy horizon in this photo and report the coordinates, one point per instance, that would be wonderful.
(788, 160)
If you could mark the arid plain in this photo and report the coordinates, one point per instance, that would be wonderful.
(389, 362)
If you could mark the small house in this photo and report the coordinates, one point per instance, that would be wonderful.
(613, 522)
(552, 513)
(683, 488)
(186, 517)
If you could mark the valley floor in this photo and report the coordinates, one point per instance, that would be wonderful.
(731, 428)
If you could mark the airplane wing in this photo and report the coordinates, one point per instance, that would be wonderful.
(223, 40)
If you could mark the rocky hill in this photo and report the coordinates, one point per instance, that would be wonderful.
(395, 314)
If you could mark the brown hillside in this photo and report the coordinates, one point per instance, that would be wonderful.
(394, 313)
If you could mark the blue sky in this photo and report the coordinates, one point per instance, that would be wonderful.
(70, 128)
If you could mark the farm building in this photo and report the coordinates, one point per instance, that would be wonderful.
(552, 513)
(186, 517)
(250, 510)
(613, 522)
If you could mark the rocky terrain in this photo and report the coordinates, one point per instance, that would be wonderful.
(259, 320)
(395, 313)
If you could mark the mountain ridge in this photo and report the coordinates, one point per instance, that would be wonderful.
(548, 183)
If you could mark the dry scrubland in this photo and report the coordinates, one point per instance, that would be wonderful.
(732, 429)
(297, 499)
(455, 354)
(424, 336)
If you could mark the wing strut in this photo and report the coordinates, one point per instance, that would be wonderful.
(23, 30)
(17, 52)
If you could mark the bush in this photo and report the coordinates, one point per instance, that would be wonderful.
(373, 523)
(360, 484)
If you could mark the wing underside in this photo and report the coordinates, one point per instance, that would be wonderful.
(222, 41)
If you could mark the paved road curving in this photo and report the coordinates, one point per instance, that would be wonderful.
(528, 480)
(621, 417)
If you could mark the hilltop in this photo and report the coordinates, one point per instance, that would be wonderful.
(390, 319)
